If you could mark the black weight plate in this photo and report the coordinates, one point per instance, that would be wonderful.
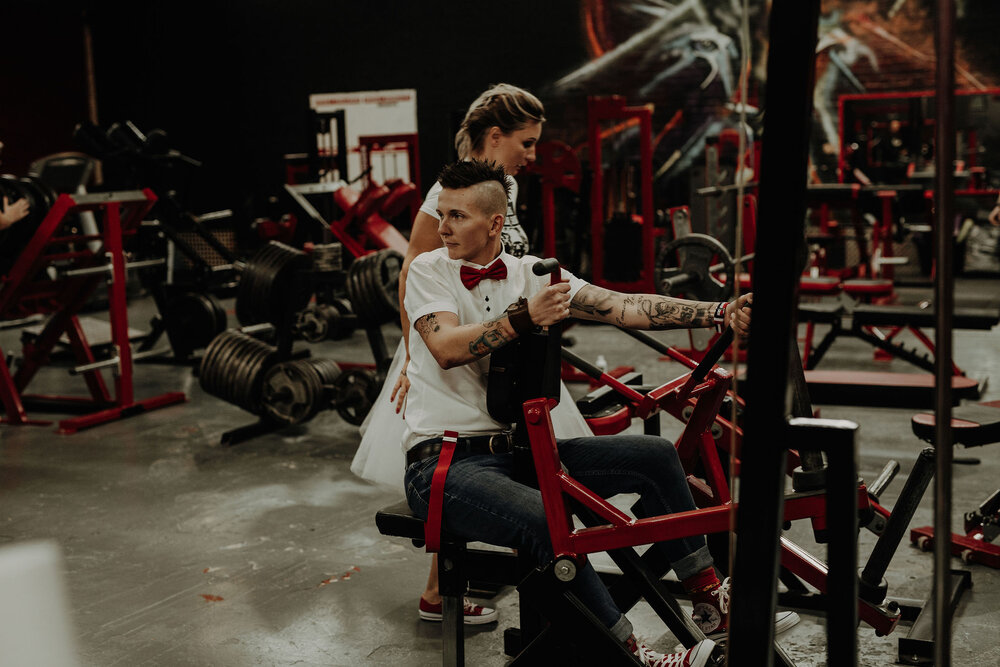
(354, 395)
(227, 365)
(373, 299)
(328, 371)
(210, 362)
(353, 289)
(243, 369)
(341, 322)
(286, 395)
(694, 254)
(232, 371)
(207, 361)
(389, 265)
(256, 274)
(221, 319)
(190, 322)
(251, 371)
(265, 365)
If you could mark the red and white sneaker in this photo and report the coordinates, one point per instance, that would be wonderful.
(473, 613)
(696, 656)
(711, 613)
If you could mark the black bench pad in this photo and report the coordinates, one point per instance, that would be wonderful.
(972, 425)
(887, 316)
(399, 521)
(821, 313)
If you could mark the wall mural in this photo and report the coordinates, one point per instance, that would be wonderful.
(684, 57)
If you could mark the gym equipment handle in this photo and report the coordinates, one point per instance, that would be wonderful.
(550, 376)
(876, 488)
(550, 265)
(713, 355)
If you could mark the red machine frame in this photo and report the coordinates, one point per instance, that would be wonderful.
(713, 499)
(28, 289)
(613, 108)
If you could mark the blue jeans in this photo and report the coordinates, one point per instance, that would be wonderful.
(482, 502)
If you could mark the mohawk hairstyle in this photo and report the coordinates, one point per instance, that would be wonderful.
(470, 173)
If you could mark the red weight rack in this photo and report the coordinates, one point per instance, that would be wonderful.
(56, 275)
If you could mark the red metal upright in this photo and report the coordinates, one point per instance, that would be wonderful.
(601, 109)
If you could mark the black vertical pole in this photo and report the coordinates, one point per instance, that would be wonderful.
(944, 299)
(787, 123)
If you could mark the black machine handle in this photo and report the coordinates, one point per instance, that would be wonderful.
(714, 353)
(551, 374)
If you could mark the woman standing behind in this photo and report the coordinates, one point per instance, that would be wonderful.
(502, 125)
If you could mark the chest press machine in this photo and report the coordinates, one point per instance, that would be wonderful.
(552, 619)
(55, 274)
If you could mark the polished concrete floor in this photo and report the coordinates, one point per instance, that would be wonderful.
(181, 551)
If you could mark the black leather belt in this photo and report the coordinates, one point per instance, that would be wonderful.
(497, 443)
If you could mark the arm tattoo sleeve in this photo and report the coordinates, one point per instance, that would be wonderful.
(492, 338)
(663, 312)
(640, 311)
(597, 303)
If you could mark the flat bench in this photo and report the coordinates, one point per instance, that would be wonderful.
(914, 316)
(875, 389)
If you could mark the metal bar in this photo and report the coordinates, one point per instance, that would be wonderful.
(791, 61)
(107, 268)
(895, 528)
(117, 310)
(121, 196)
(944, 298)
(96, 365)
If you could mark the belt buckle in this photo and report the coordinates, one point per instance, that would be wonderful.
(506, 443)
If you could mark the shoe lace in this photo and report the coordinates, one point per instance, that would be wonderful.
(469, 607)
(650, 658)
(722, 592)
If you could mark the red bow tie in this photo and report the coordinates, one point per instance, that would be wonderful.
(471, 277)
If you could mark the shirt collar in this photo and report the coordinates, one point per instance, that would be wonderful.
(503, 256)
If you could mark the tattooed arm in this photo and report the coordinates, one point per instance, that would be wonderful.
(653, 311)
(453, 344)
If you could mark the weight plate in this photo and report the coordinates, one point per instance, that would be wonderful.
(328, 371)
(694, 256)
(286, 394)
(341, 321)
(355, 394)
(389, 265)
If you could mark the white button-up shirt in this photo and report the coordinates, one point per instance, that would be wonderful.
(455, 399)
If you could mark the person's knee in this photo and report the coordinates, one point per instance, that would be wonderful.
(659, 452)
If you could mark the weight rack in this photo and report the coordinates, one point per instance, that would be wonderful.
(57, 275)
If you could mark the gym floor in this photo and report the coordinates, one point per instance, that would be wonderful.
(180, 551)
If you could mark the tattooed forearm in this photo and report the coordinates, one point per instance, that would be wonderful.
(596, 303)
(663, 312)
(492, 338)
(427, 325)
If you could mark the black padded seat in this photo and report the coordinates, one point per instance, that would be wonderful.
(972, 425)
(399, 521)
(914, 316)
(821, 313)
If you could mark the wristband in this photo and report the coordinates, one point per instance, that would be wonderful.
(520, 318)
(719, 318)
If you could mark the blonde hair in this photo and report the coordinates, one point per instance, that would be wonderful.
(505, 106)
